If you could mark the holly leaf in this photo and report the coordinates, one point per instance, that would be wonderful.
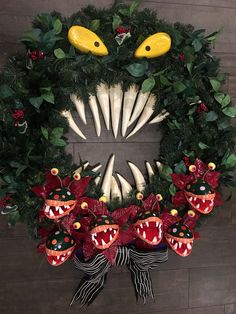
(59, 53)
(58, 142)
(197, 45)
(215, 84)
(117, 21)
(211, 116)
(203, 145)
(148, 84)
(222, 99)
(57, 26)
(179, 87)
(166, 173)
(134, 6)
(36, 101)
(47, 94)
(44, 132)
(230, 112)
(172, 189)
(137, 69)
(94, 25)
(5, 91)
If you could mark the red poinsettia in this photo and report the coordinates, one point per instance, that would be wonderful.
(18, 114)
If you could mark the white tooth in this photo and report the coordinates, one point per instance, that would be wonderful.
(53, 263)
(144, 234)
(93, 238)
(185, 252)
(140, 103)
(125, 186)
(180, 244)
(97, 179)
(114, 231)
(67, 114)
(57, 208)
(103, 242)
(147, 224)
(116, 97)
(105, 231)
(211, 202)
(111, 237)
(172, 241)
(157, 224)
(204, 201)
(62, 259)
(46, 209)
(206, 209)
(138, 177)
(160, 232)
(96, 241)
(149, 170)
(110, 229)
(128, 104)
(95, 234)
(61, 211)
(176, 246)
(103, 99)
(160, 117)
(58, 257)
(69, 253)
(51, 213)
(138, 230)
(154, 239)
(197, 206)
(189, 246)
(106, 183)
(159, 166)
(141, 225)
(79, 107)
(94, 109)
(190, 199)
(96, 168)
(115, 190)
(195, 199)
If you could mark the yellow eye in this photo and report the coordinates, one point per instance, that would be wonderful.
(86, 41)
(154, 46)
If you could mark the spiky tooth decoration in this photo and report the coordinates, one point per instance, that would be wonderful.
(97, 179)
(115, 190)
(67, 114)
(96, 168)
(146, 114)
(106, 183)
(160, 117)
(139, 105)
(79, 105)
(149, 170)
(94, 109)
(116, 97)
(126, 188)
(128, 104)
(103, 99)
(159, 166)
(138, 177)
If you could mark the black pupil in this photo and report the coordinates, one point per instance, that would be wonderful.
(148, 48)
(96, 44)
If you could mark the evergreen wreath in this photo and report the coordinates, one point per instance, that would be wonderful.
(36, 89)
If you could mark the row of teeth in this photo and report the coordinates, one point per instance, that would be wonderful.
(60, 257)
(103, 242)
(57, 208)
(154, 240)
(179, 244)
(158, 224)
(198, 205)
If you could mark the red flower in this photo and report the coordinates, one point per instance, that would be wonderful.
(4, 200)
(121, 30)
(186, 161)
(33, 55)
(181, 56)
(202, 107)
(18, 114)
(41, 55)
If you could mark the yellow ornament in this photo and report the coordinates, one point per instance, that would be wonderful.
(103, 199)
(77, 176)
(174, 212)
(159, 197)
(192, 168)
(139, 196)
(191, 213)
(211, 166)
(86, 41)
(154, 46)
(54, 171)
(76, 225)
(84, 205)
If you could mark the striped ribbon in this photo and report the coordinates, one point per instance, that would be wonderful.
(96, 269)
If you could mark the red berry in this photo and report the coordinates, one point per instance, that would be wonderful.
(33, 55)
(41, 55)
(181, 56)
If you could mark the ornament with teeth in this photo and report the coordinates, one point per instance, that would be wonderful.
(59, 247)
(180, 238)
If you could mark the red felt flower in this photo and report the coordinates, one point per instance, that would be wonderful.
(122, 30)
(18, 114)
(202, 107)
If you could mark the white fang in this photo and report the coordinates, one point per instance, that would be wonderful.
(125, 186)
(138, 177)
(140, 103)
(128, 104)
(149, 170)
(160, 117)
(116, 96)
(94, 108)
(79, 105)
(106, 183)
(115, 190)
(67, 114)
(103, 99)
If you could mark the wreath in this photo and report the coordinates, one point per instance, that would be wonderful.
(157, 71)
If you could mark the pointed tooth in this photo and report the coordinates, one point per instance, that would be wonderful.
(93, 237)
(172, 241)
(106, 183)
(58, 257)
(159, 166)
(185, 252)
(189, 246)
(154, 239)
(114, 231)
(110, 229)
(103, 242)
(116, 96)
(67, 114)
(190, 199)
(212, 202)
(95, 234)
(96, 241)
(141, 226)
(94, 109)
(144, 234)
(62, 259)
(115, 190)
(79, 107)
(157, 224)
(105, 230)
(195, 199)
(139, 105)
(206, 209)
(97, 179)
(147, 224)
(138, 177)
(110, 238)
(197, 206)
(126, 188)
(176, 246)
(51, 213)
(57, 208)
(149, 170)
(146, 114)
(138, 230)
(61, 211)
(96, 168)
(180, 244)
(128, 104)
(204, 201)
(160, 117)
(47, 209)
(54, 262)
(103, 99)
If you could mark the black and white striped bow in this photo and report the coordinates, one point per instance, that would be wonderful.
(96, 269)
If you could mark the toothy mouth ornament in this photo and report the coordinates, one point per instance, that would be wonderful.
(104, 232)
(59, 247)
(180, 238)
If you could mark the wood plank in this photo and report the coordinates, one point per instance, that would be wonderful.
(212, 286)
(230, 308)
(232, 85)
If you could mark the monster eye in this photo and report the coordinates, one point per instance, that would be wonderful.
(86, 41)
(154, 46)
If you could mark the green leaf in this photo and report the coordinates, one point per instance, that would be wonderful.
(36, 101)
(117, 21)
(223, 123)
(58, 142)
(5, 91)
(44, 132)
(164, 81)
(229, 160)
(21, 169)
(189, 54)
(137, 69)
(215, 84)
(172, 189)
(57, 26)
(59, 53)
(94, 25)
(179, 87)
(211, 116)
(57, 132)
(197, 45)
(13, 218)
(230, 112)
(189, 67)
(33, 35)
(203, 145)
(148, 84)
(166, 172)
(222, 99)
(47, 94)
(180, 167)
(134, 6)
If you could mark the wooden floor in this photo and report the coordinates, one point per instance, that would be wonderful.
(203, 283)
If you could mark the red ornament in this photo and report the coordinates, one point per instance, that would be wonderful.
(18, 114)
(202, 107)
(41, 55)
(181, 56)
(121, 30)
(33, 55)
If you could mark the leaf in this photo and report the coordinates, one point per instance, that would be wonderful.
(44, 132)
(57, 26)
(165, 81)
(172, 189)
(58, 142)
(203, 145)
(21, 169)
(33, 35)
(222, 99)
(197, 45)
(229, 160)
(148, 84)
(47, 94)
(94, 25)
(212, 37)
(166, 173)
(57, 133)
(134, 6)
(36, 101)
(59, 53)
(117, 21)
(179, 87)
(180, 167)
(5, 91)
(137, 69)
(189, 54)
(211, 116)
(230, 112)
(189, 67)
(215, 84)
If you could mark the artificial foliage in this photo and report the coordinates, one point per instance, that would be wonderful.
(35, 89)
